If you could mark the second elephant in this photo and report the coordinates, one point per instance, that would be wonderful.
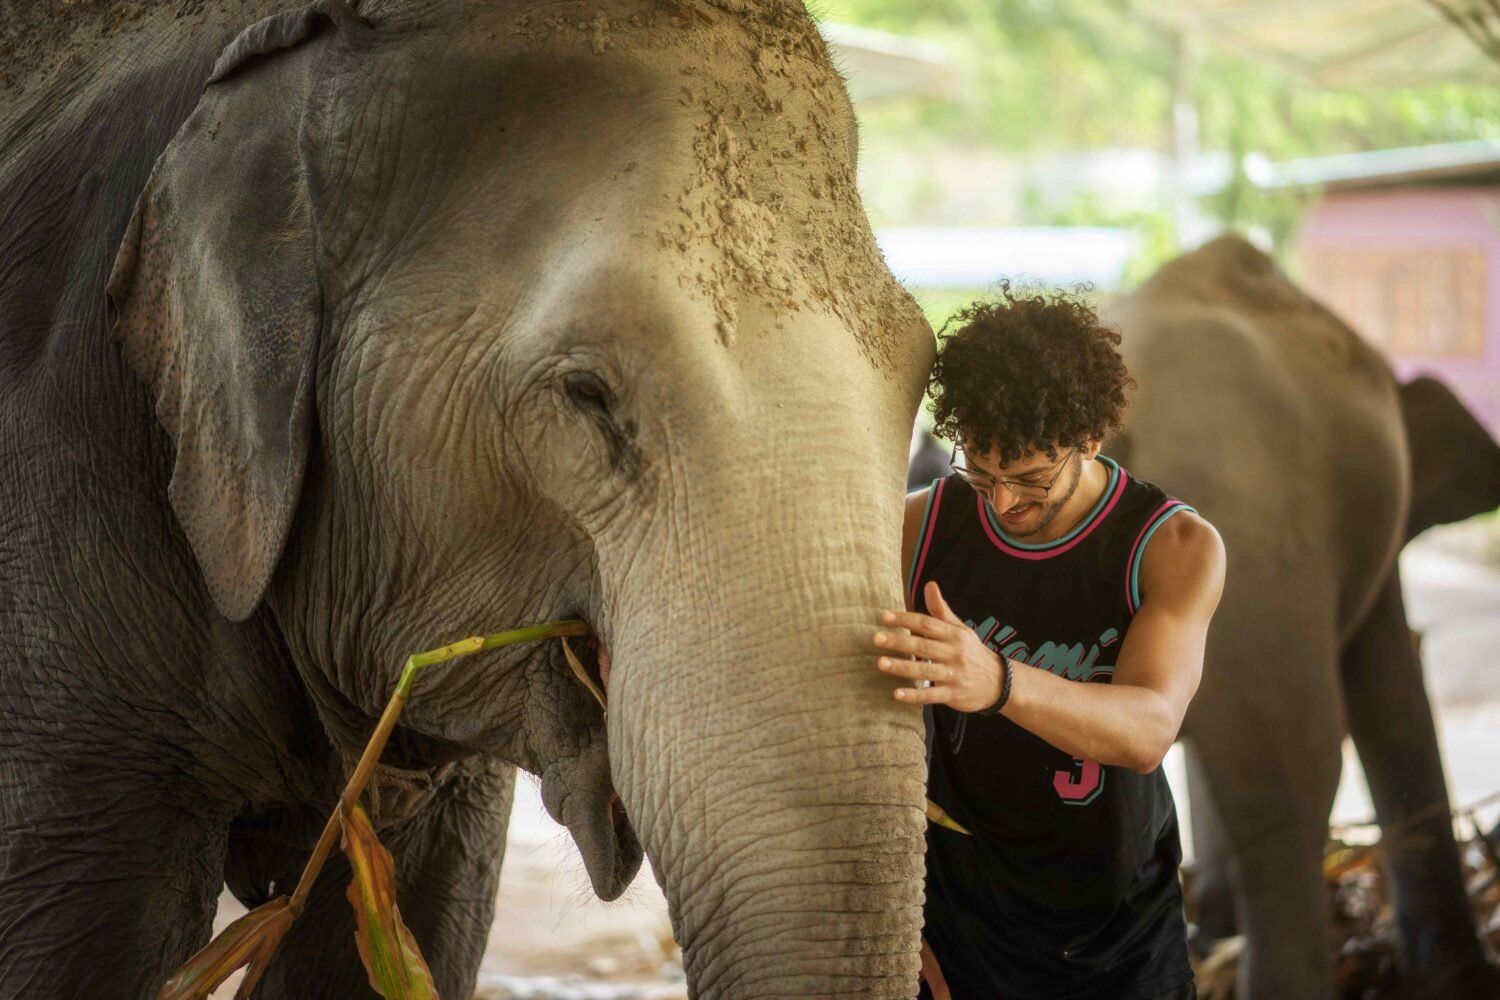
(1291, 435)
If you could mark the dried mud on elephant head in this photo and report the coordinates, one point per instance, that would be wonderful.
(773, 213)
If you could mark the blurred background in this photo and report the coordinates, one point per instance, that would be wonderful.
(1092, 141)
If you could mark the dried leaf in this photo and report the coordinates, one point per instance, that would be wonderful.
(583, 676)
(253, 936)
(392, 959)
(1341, 861)
(937, 814)
(1217, 975)
(1363, 945)
(253, 972)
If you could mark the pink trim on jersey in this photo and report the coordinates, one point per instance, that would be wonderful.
(1037, 554)
(927, 526)
(1145, 529)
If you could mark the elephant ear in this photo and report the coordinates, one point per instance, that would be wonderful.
(218, 306)
(1455, 464)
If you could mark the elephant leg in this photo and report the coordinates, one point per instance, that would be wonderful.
(447, 859)
(1213, 888)
(1278, 880)
(106, 887)
(1267, 732)
(1391, 722)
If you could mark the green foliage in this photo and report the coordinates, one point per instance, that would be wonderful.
(1046, 75)
(1041, 75)
(1049, 74)
(940, 303)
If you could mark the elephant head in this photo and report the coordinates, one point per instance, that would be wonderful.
(467, 314)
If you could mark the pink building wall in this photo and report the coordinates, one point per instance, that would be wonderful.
(1416, 270)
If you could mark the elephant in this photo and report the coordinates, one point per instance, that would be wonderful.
(1290, 433)
(329, 335)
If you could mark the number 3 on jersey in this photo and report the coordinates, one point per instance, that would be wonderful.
(1081, 785)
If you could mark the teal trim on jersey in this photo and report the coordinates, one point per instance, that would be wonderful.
(1082, 526)
(916, 552)
(1140, 552)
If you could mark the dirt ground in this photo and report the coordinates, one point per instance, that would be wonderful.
(553, 940)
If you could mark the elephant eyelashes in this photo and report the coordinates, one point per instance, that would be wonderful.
(593, 397)
(588, 392)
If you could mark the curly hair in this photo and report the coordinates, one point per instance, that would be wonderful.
(1027, 371)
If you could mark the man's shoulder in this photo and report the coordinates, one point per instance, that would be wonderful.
(916, 502)
(1186, 555)
(1187, 533)
(911, 522)
(1169, 520)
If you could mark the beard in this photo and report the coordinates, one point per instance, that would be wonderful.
(1050, 509)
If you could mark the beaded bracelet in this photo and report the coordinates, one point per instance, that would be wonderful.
(1004, 691)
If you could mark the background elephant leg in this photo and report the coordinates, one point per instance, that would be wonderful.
(447, 861)
(1391, 722)
(1267, 739)
(104, 889)
(1280, 900)
(1213, 889)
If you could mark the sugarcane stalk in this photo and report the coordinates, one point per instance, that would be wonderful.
(376, 745)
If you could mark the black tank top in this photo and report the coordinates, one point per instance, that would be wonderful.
(1067, 888)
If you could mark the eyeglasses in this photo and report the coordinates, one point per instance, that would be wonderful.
(985, 485)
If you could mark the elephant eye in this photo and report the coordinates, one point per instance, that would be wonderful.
(588, 392)
(592, 395)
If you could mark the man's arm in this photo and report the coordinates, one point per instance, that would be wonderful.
(1131, 722)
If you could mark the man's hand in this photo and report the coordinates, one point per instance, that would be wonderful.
(965, 675)
(932, 975)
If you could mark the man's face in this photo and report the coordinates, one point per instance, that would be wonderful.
(1015, 491)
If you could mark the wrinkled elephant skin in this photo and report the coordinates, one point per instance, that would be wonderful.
(422, 321)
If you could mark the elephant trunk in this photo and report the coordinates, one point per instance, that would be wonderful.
(775, 783)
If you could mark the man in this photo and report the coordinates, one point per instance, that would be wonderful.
(1057, 610)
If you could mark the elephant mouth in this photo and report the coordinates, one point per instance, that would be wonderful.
(606, 840)
(627, 852)
(590, 808)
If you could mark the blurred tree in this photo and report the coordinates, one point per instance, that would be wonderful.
(1049, 76)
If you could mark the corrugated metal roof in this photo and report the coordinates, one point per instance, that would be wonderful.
(1349, 42)
(1380, 167)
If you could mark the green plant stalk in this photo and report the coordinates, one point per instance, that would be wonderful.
(378, 739)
